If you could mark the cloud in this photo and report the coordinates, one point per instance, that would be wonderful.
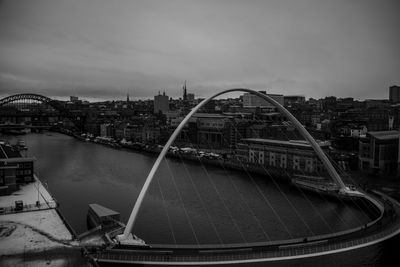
(309, 47)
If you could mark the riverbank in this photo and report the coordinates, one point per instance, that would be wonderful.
(226, 160)
(36, 234)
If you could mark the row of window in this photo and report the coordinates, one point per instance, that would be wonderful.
(23, 172)
(25, 165)
(281, 161)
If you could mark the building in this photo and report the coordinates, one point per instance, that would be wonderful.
(107, 130)
(344, 104)
(376, 103)
(133, 133)
(281, 157)
(289, 100)
(379, 152)
(252, 101)
(209, 107)
(378, 118)
(190, 97)
(15, 170)
(152, 134)
(329, 103)
(213, 130)
(394, 94)
(161, 103)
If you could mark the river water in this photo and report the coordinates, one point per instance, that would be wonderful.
(189, 203)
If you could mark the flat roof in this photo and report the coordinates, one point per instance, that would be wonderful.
(102, 211)
(7, 151)
(258, 126)
(271, 113)
(385, 135)
(294, 96)
(298, 143)
(210, 115)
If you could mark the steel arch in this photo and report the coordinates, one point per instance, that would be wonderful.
(331, 170)
(17, 97)
(44, 99)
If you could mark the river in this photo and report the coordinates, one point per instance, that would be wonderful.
(190, 203)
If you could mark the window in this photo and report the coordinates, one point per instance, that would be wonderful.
(283, 163)
(272, 159)
(296, 163)
(251, 155)
(261, 157)
(309, 165)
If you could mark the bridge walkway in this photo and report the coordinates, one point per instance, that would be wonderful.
(167, 255)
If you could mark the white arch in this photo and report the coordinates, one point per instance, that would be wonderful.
(328, 165)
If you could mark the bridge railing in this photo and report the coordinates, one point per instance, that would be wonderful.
(270, 253)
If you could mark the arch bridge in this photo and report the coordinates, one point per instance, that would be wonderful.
(55, 104)
(127, 248)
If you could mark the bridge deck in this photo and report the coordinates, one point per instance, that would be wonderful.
(170, 255)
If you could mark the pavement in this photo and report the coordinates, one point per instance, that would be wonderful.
(36, 235)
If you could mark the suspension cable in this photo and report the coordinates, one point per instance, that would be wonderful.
(183, 204)
(338, 198)
(287, 199)
(201, 201)
(222, 199)
(243, 200)
(265, 198)
(166, 212)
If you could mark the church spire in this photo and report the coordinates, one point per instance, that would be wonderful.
(184, 92)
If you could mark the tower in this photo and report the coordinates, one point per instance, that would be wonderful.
(184, 92)
(161, 103)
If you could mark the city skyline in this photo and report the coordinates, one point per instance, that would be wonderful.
(104, 50)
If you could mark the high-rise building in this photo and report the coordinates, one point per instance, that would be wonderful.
(293, 99)
(251, 100)
(161, 103)
(394, 94)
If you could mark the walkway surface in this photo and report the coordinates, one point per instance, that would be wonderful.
(167, 255)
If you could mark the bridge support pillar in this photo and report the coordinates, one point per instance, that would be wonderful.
(130, 240)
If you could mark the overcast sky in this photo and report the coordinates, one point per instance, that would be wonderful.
(104, 49)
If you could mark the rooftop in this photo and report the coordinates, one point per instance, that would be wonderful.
(258, 126)
(7, 151)
(210, 115)
(102, 211)
(385, 135)
(298, 143)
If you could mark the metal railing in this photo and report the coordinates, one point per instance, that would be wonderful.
(28, 207)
